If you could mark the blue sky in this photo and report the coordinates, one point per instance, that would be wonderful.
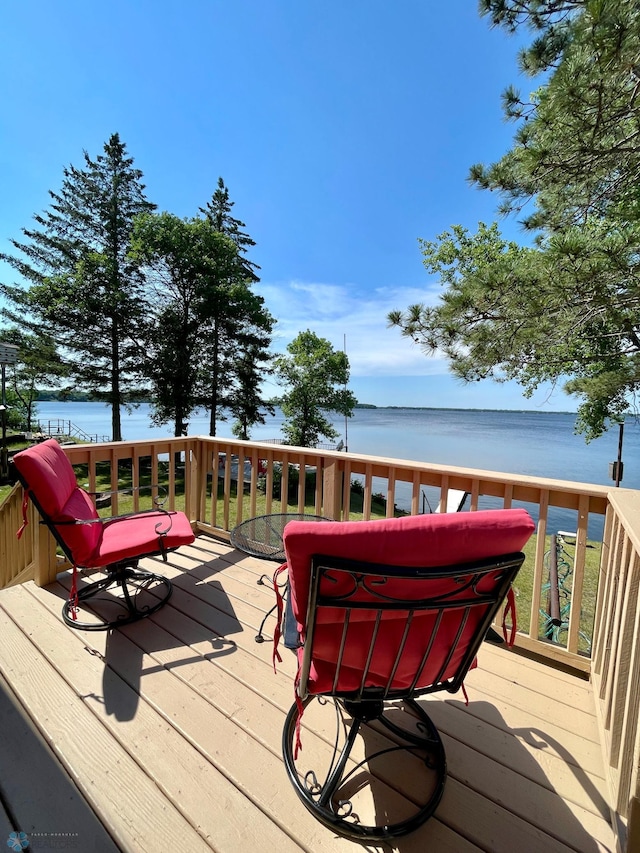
(343, 130)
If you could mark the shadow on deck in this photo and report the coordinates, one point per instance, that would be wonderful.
(165, 735)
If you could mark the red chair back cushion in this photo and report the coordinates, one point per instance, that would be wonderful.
(418, 541)
(48, 474)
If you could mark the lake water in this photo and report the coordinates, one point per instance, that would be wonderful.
(538, 444)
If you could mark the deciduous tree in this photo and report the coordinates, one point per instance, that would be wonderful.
(205, 326)
(39, 366)
(315, 377)
(187, 264)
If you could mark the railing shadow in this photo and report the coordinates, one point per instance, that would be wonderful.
(500, 803)
(30, 772)
(165, 642)
(196, 625)
(512, 792)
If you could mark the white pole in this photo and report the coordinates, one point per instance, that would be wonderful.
(346, 435)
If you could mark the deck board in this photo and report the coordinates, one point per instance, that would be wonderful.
(24, 755)
(171, 727)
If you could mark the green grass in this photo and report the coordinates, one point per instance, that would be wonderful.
(523, 588)
(378, 504)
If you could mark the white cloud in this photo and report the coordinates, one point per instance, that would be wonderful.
(334, 311)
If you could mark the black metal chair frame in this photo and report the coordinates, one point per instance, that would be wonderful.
(124, 573)
(321, 792)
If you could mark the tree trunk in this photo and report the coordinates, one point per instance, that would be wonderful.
(116, 424)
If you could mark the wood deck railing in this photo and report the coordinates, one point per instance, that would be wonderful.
(220, 482)
(201, 475)
(616, 659)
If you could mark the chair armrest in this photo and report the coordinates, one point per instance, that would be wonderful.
(158, 511)
(161, 513)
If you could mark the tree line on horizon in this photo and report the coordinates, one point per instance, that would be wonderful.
(123, 303)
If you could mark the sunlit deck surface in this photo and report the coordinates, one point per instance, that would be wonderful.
(166, 735)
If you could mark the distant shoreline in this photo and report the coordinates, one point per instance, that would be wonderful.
(468, 409)
(54, 397)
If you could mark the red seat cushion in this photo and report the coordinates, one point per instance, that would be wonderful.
(420, 541)
(136, 535)
(49, 476)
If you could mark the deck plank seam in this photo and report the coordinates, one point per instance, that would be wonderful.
(85, 790)
(193, 743)
(78, 636)
(275, 700)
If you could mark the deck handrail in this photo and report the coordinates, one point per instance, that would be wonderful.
(616, 660)
(195, 473)
(28, 557)
(273, 482)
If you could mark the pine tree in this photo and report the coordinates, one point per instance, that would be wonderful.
(240, 326)
(245, 401)
(566, 306)
(83, 289)
(218, 212)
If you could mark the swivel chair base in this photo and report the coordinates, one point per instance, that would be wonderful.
(334, 794)
(138, 594)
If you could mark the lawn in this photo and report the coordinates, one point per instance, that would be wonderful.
(523, 588)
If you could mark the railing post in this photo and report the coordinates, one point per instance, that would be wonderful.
(193, 488)
(332, 474)
(44, 551)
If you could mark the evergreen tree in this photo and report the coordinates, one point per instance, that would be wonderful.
(84, 290)
(576, 153)
(218, 212)
(240, 326)
(568, 305)
(237, 328)
(245, 400)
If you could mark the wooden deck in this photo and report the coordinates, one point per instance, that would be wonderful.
(165, 735)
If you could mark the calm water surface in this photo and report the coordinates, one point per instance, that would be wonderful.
(513, 442)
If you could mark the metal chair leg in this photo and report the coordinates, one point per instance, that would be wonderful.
(132, 583)
(334, 793)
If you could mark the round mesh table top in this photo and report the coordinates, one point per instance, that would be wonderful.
(262, 536)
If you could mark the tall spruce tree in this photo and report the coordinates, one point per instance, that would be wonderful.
(218, 212)
(83, 288)
(237, 327)
(240, 326)
(245, 401)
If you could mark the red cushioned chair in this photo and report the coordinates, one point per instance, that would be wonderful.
(89, 541)
(388, 610)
